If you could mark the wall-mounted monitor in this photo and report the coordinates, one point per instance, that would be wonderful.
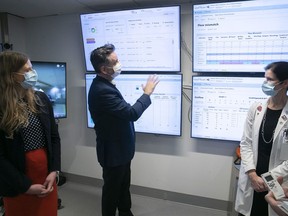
(163, 116)
(240, 36)
(52, 81)
(146, 39)
(220, 105)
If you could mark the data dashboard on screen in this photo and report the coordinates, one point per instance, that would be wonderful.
(163, 116)
(52, 81)
(146, 39)
(220, 105)
(240, 36)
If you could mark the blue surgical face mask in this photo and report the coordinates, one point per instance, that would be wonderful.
(269, 89)
(30, 79)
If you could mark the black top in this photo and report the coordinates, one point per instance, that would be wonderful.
(264, 148)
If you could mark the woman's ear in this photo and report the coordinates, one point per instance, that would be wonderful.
(285, 83)
(16, 77)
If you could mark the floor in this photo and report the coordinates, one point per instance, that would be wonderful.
(83, 200)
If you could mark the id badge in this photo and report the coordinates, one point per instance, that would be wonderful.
(284, 144)
(285, 136)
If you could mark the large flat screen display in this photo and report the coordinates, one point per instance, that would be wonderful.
(220, 105)
(52, 81)
(240, 36)
(145, 39)
(163, 116)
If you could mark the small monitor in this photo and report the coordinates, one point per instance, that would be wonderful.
(220, 105)
(146, 39)
(163, 116)
(52, 81)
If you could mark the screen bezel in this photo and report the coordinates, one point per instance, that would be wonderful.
(247, 72)
(154, 133)
(258, 75)
(65, 77)
(125, 10)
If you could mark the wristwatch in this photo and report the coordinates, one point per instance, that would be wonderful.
(57, 173)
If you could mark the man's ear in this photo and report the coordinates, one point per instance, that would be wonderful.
(102, 70)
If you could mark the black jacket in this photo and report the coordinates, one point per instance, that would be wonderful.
(13, 180)
(113, 118)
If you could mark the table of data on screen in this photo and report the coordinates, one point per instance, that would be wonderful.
(241, 37)
(220, 105)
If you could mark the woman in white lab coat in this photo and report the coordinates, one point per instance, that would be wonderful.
(264, 144)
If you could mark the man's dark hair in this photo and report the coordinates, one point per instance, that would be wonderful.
(99, 56)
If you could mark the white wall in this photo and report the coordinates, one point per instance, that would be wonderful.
(179, 164)
(16, 29)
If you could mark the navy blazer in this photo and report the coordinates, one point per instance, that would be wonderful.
(113, 118)
(13, 180)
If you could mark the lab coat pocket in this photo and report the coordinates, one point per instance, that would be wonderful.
(242, 182)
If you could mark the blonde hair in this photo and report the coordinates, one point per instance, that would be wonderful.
(13, 109)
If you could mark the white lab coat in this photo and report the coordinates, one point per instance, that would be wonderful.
(278, 163)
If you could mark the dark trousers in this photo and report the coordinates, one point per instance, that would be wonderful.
(259, 206)
(115, 191)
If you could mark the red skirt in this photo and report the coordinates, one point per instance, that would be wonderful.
(32, 205)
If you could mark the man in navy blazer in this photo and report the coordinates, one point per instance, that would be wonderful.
(114, 127)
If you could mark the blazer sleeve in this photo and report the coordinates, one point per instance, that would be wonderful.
(112, 101)
(12, 181)
(54, 142)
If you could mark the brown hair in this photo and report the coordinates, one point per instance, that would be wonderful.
(13, 109)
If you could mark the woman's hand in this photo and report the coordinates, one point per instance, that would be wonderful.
(36, 189)
(257, 182)
(48, 184)
(43, 190)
